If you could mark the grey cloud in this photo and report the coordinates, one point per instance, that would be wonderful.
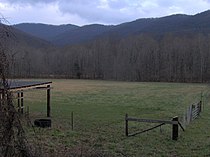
(166, 3)
(94, 11)
(30, 1)
(79, 7)
(118, 4)
(115, 11)
(86, 10)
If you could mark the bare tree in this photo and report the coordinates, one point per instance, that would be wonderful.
(13, 141)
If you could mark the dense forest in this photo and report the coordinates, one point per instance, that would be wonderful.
(183, 58)
(174, 49)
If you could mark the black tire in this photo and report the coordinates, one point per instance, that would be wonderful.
(44, 123)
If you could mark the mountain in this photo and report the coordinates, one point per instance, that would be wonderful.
(46, 32)
(29, 40)
(81, 34)
(24, 39)
(70, 34)
(178, 24)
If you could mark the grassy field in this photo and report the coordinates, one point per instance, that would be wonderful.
(99, 110)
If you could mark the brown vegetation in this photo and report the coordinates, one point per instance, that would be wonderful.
(12, 136)
(137, 58)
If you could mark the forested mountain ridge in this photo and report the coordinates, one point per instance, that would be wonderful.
(26, 39)
(81, 34)
(162, 49)
(177, 24)
(71, 34)
(22, 49)
(44, 31)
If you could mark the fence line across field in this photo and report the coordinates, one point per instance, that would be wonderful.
(191, 114)
(174, 122)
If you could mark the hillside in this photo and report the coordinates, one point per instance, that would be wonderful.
(44, 31)
(82, 34)
(71, 34)
(177, 24)
(23, 39)
(171, 49)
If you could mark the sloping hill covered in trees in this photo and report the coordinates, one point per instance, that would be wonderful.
(71, 34)
(174, 48)
(44, 31)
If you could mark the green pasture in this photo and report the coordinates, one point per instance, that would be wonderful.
(99, 109)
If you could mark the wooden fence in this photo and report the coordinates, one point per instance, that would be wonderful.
(174, 122)
(192, 113)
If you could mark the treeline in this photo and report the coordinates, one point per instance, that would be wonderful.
(171, 58)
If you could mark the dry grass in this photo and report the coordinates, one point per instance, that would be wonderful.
(99, 108)
(75, 86)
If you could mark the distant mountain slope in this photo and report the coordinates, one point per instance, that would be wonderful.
(23, 39)
(81, 34)
(170, 24)
(71, 34)
(29, 40)
(47, 32)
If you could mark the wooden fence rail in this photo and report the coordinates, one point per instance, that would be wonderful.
(192, 113)
(174, 122)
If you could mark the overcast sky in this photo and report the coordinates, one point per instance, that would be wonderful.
(82, 12)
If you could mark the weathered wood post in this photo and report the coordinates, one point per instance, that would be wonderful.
(72, 121)
(200, 107)
(201, 102)
(201, 96)
(18, 95)
(190, 113)
(21, 102)
(126, 124)
(175, 128)
(193, 116)
(48, 100)
(0, 99)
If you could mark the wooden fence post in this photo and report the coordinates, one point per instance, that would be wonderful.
(21, 102)
(175, 128)
(126, 124)
(184, 119)
(201, 102)
(190, 112)
(48, 101)
(188, 115)
(200, 107)
(72, 121)
(201, 96)
(18, 95)
(0, 100)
